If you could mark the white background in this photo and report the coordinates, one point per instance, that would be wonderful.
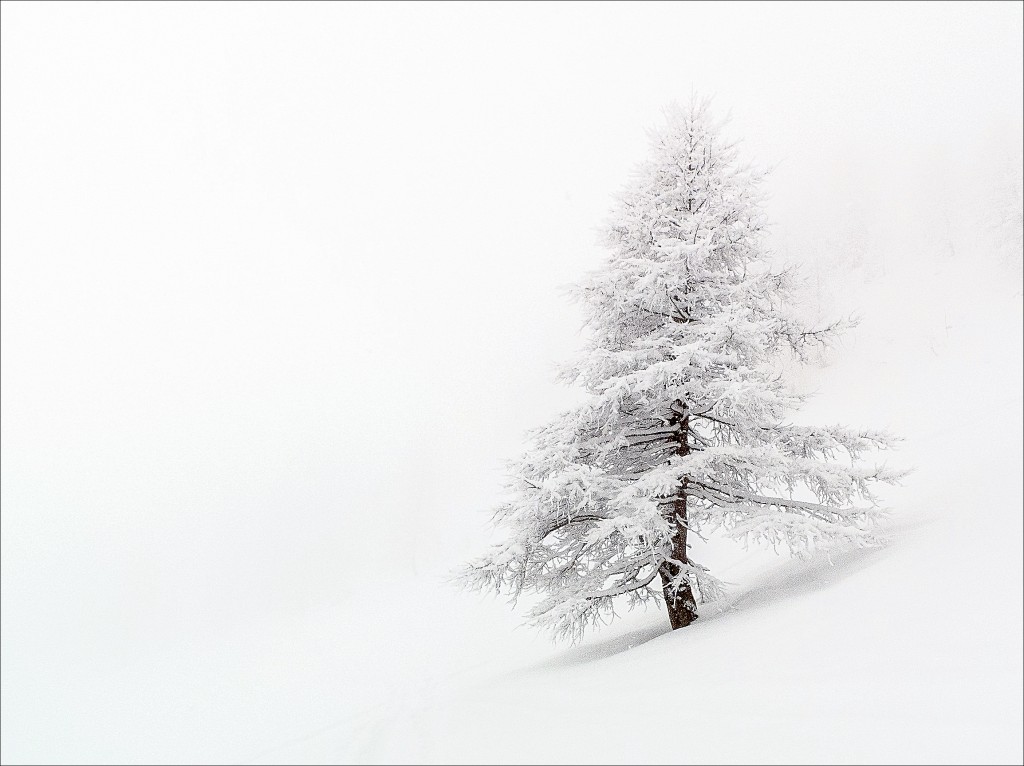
(281, 291)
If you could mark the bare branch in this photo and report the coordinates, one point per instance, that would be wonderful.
(618, 590)
(572, 520)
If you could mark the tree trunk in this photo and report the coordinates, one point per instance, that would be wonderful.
(682, 607)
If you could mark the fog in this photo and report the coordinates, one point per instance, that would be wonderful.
(281, 283)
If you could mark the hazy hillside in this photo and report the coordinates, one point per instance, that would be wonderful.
(281, 291)
(906, 654)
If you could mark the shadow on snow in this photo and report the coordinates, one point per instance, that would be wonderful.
(788, 579)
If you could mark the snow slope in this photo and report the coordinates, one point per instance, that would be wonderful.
(908, 654)
(279, 291)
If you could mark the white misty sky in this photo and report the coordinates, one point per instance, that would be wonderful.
(281, 281)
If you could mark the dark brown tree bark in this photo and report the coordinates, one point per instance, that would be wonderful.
(682, 607)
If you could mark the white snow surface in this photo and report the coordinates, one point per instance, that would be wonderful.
(907, 654)
(247, 439)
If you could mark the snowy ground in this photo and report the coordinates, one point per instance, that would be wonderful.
(910, 654)
(906, 654)
(279, 293)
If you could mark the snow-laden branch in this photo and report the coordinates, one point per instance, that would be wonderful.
(623, 588)
(724, 495)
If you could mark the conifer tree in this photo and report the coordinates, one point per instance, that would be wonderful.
(684, 431)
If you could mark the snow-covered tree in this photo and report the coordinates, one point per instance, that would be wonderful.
(684, 430)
